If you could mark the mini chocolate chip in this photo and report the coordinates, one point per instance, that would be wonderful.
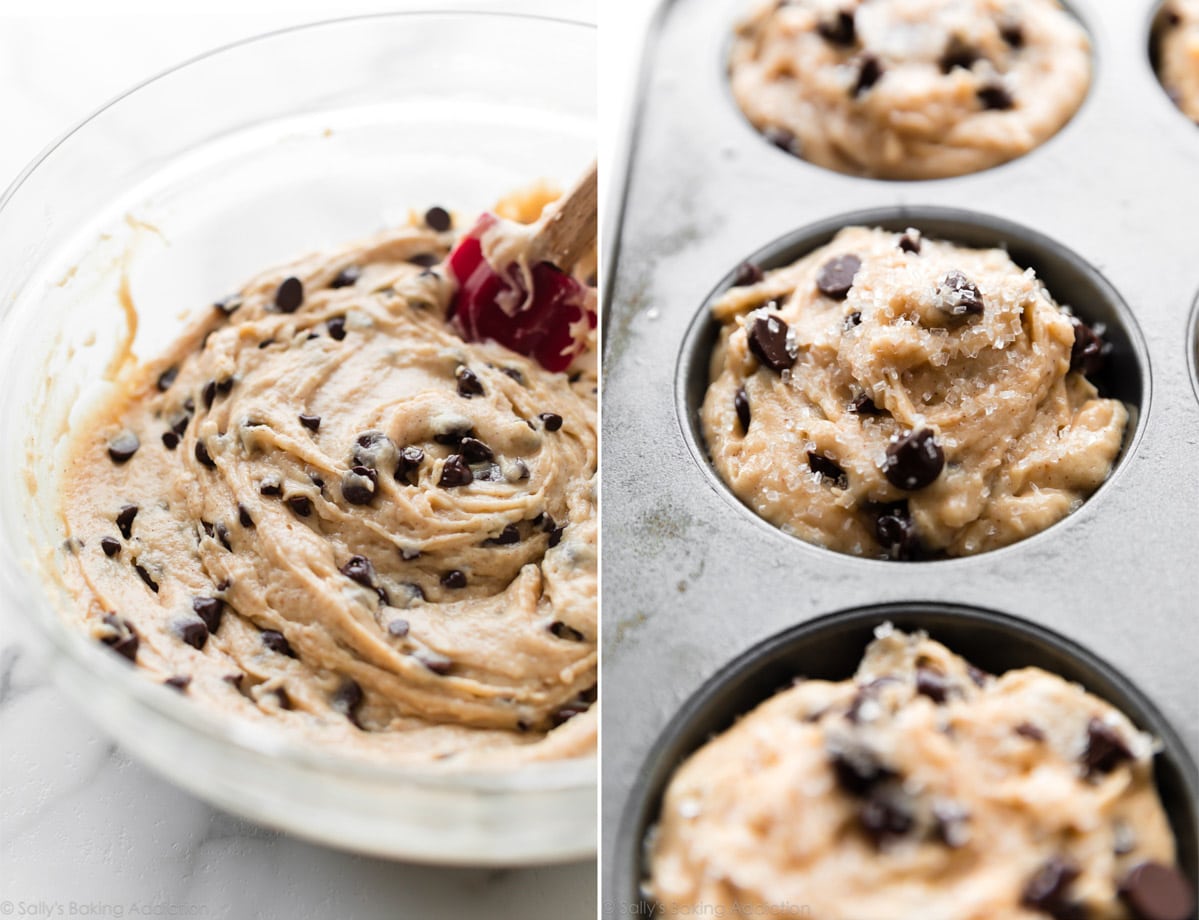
(1012, 33)
(958, 53)
(360, 570)
(435, 661)
(914, 460)
(192, 631)
(438, 219)
(110, 545)
(468, 382)
(1029, 731)
(475, 451)
(270, 489)
(209, 394)
(770, 341)
(747, 273)
(359, 484)
(408, 554)
(1088, 351)
(170, 440)
(277, 642)
(858, 770)
(222, 534)
(229, 305)
(978, 675)
(911, 241)
(311, 422)
(829, 469)
(509, 535)
(243, 516)
(564, 631)
(455, 472)
(556, 536)
(853, 320)
(210, 610)
(863, 405)
(454, 579)
(300, 504)
(783, 139)
(835, 278)
(408, 462)
(1046, 891)
(1156, 891)
(566, 713)
(125, 520)
(208, 529)
(224, 584)
(123, 446)
(958, 296)
(126, 639)
(933, 684)
(425, 260)
(545, 522)
(337, 328)
(398, 628)
(282, 696)
(870, 71)
(995, 96)
(347, 699)
(514, 374)
(741, 405)
(552, 420)
(145, 576)
(167, 377)
(883, 818)
(1106, 750)
(896, 532)
(838, 29)
(347, 277)
(453, 437)
(224, 386)
(289, 295)
(234, 679)
(866, 693)
(179, 682)
(203, 457)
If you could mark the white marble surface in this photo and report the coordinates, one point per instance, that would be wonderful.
(84, 830)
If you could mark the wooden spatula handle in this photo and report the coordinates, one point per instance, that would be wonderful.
(569, 229)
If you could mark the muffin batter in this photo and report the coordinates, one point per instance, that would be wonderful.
(919, 788)
(894, 396)
(910, 89)
(1177, 35)
(324, 510)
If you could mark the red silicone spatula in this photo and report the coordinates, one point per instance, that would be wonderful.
(514, 285)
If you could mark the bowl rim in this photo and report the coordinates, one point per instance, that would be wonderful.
(23, 589)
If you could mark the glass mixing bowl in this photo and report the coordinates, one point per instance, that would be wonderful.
(187, 186)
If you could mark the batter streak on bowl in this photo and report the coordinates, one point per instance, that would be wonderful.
(324, 510)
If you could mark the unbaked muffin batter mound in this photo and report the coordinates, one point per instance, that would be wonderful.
(921, 787)
(324, 510)
(1177, 36)
(894, 396)
(910, 89)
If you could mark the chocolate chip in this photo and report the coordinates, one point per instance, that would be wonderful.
(180, 425)
(210, 610)
(222, 534)
(978, 675)
(838, 29)
(425, 260)
(110, 545)
(508, 536)
(566, 713)
(203, 457)
(870, 71)
(911, 241)
(883, 818)
(864, 695)
(958, 296)
(123, 446)
(950, 823)
(208, 529)
(563, 631)
(1012, 33)
(359, 484)
(553, 421)
(1156, 891)
(835, 277)
(125, 520)
(229, 305)
(514, 374)
(453, 437)
(783, 139)
(1089, 349)
(192, 631)
(958, 53)
(438, 219)
(468, 382)
(360, 570)
(455, 472)
(408, 554)
(167, 377)
(863, 405)
(398, 628)
(995, 96)
(224, 386)
(408, 462)
(858, 770)
(545, 522)
(435, 661)
(770, 341)
(337, 328)
(828, 469)
(289, 295)
(234, 679)
(277, 642)
(854, 319)
(454, 579)
(896, 532)
(933, 684)
(475, 451)
(556, 536)
(1029, 731)
(170, 440)
(125, 639)
(1047, 891)
(209, 394)
(243, 516)
(179, 682)
(347, 699)
(741, 405)
(283, 698)
(145, 576)
(270, 488)
(747, 273)
(1106, 750)
(914, 460)
(347, 277)
(300, 505)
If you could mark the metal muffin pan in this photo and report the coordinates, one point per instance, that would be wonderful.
(1193, 348)
(691, 578)
(830, 647)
